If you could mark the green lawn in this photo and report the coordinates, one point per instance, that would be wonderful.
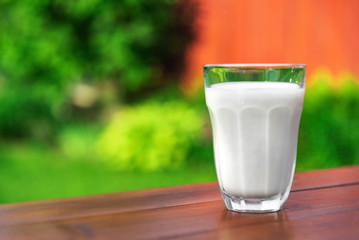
(34, 172)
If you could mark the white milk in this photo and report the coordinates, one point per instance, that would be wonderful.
(255, 127)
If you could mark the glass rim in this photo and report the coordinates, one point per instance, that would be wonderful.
(256, 65)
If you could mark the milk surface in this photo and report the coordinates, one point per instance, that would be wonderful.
(255, 127)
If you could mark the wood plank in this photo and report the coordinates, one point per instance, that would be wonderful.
(326, 178)
(153, 198)
(334, 209)
(107, 203)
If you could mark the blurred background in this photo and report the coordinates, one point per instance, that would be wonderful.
(101, 96)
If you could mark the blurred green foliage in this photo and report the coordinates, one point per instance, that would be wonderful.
(151, 136)
(47, 47)
(329, 132)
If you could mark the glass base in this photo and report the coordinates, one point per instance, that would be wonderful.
(253, 205)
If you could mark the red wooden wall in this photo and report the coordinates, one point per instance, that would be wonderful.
(319, 33)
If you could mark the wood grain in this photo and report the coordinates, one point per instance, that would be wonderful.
(323, 205)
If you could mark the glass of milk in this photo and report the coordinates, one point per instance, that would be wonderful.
(255, 111)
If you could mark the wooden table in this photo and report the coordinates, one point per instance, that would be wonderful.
(323, 205)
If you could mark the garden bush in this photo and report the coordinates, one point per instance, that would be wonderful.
(329, 131)
(151, 136)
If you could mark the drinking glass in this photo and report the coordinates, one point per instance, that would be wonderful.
(255, 111)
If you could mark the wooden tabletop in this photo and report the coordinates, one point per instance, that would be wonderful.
(322, 205)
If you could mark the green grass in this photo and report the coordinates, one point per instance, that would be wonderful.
(33, 172)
